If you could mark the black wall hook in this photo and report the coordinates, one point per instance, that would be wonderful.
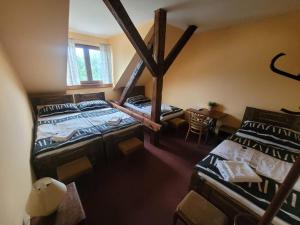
(280, 72)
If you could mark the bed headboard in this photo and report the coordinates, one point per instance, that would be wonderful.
(50, 99)
(137, 90)
(88, 97)
(274, 118)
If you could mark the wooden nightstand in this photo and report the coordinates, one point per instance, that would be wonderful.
(70, 211)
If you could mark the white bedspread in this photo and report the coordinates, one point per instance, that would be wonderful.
(63, 125)
(264, 164)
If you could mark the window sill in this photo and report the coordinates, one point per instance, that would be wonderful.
(86, 86)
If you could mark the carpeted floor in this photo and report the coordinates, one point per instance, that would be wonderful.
(144, 188)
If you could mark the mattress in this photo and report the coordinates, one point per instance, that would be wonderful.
(271, 162)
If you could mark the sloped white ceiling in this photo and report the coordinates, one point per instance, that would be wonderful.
(92, 16)
(34, 33)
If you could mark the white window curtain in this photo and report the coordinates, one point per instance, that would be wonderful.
(105, 59)
(72, 68)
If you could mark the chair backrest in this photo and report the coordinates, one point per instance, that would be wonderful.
(197, 121)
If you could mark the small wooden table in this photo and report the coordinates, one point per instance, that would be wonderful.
(216, 115)
(69, 212)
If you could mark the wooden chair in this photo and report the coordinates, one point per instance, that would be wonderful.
(196, 210)
(197, 125)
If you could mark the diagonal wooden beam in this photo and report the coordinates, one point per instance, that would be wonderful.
(137, 72)
(120, 14)
(155, 127)
(159, 53)
(178, 46)
(284, 190)
(123, 79)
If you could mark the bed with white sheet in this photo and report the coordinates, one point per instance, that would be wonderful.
(269, 142)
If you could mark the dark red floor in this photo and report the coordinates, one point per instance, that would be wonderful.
(144, 188)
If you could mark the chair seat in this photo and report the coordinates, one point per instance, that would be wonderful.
(196, 210)
(131, 145)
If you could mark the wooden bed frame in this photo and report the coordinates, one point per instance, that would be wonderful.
(89, 97)
(94, 150)
(274, 118)
(220, 199)
(146, 120)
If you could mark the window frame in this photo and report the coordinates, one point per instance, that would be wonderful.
(90, 82)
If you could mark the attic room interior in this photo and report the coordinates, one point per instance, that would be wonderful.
(157, 112)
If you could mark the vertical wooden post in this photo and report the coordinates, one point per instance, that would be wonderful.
(159, 54)
(156, 106)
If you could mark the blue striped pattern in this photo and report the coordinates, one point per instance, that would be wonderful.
(93, 104)
(57, 109)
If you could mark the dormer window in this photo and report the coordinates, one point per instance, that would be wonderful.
(88, 65)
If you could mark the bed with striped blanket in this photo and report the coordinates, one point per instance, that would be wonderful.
(142, 105)
(99, 119)
(48, 154)
(91, 135)
(127, 128)
(47, 127)
(271, 151)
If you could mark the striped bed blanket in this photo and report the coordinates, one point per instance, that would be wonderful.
(100, 118)
(271, 162)
(87, 125)
(142, 104)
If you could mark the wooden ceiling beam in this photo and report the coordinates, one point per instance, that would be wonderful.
(136, 74)
(122, 81)
(157, 66)
(120, 14)
(179, 46)
(160, 22)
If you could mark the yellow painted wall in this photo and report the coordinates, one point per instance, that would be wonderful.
(15, 138)
(232, 67)
(35, 35)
